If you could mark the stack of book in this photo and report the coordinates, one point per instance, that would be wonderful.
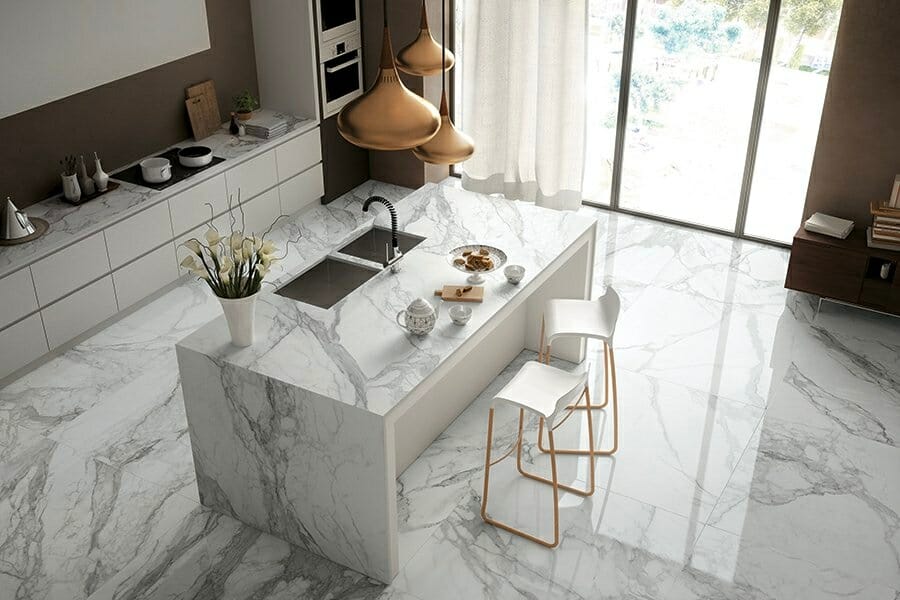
(885, 230)
(264, 124)
(828, 225)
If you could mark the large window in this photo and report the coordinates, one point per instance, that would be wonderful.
(720, 113)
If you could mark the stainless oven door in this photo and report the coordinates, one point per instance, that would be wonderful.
(341, 81)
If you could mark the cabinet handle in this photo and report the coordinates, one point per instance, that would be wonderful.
(331, 70)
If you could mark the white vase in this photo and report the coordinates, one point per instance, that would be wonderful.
(71, 189)
(101, 179)
(240, 314)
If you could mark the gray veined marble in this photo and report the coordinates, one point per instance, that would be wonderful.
(771, 438)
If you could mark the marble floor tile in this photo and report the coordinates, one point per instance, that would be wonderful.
(818, 495)
(612, 547)
(724, 565)
(70, 523)
(703, 344)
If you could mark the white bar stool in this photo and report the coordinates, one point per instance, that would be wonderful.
(545, 391)
(594, 319)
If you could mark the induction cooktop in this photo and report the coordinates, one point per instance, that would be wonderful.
(179, 173)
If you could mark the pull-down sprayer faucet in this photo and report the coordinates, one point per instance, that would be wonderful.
(392, 254)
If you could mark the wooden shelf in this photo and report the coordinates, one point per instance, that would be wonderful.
(844, 270)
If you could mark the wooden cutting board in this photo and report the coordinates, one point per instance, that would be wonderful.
(203, 123)
(203, 109)
(449, 293)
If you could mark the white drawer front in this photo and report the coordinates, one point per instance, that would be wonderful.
(301, 191)
(252, 177)
(144, 276)
(298, 154)
(79, 312)
(22, 343)
(189, 209)
(138, 235)
(69, 269)
(260, 212)
(17, 297)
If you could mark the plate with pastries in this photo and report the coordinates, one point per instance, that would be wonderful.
(476, 260)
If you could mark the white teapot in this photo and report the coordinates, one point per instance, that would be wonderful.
(419, 317)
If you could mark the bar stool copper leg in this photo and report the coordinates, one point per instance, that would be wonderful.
(554, 483)
(609, 367)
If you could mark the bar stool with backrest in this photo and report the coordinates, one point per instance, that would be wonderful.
(589, 319)
(544, 391)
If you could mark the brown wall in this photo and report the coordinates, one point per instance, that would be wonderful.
(129, 118)
(858, 150)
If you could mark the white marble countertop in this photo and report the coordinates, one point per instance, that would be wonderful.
(355, 352)
(68, 223)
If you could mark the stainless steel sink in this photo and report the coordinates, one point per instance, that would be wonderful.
(371, 245)
(327, 282)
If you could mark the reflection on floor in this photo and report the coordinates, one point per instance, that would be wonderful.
(760, 458)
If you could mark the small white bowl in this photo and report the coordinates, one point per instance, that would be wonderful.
(514, 273)
(460, 314)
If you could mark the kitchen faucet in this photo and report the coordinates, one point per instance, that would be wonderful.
(392, 254)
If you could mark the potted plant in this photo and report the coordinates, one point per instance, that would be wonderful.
(244, 105)
(234, 267)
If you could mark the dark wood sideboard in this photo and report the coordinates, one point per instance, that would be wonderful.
(846, 270)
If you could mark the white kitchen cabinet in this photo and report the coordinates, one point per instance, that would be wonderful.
(261, 212)
(70, 268)
(75, 314)
(22, 343)
(298, 154)
(17, 297)
(189, 209)
(149, 273)
(138, 235)
(301, 191)
(252, 177)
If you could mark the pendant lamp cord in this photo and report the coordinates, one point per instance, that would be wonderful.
(384, 10)
(443, 49)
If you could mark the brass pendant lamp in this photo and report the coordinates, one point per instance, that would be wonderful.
(425, 57)
(450, 145)
(388, 116)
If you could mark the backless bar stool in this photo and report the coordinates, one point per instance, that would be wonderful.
(546, 392)
(593, 319)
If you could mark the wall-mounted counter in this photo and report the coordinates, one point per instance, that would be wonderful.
(102, 257)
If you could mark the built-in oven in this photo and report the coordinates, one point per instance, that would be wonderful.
(340, 72)
(337, 18)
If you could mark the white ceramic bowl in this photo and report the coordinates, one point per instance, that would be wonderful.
(460, 314)
(514, 273)
(156, 170)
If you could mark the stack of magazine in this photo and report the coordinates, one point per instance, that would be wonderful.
(266, 125)
(828, 225)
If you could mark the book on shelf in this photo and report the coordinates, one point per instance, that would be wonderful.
(828, 225)
(895, 194)
(883, 234)
(881, 244)
(879, 209)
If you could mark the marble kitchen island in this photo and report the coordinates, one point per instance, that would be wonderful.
(303, 434)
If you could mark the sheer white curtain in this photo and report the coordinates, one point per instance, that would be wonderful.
(523, 90)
